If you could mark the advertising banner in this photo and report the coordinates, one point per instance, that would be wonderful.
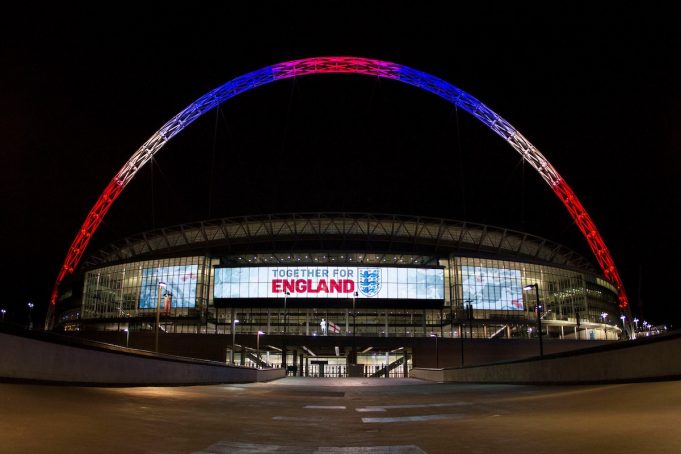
(329, 282)
(179, 291)
(492, 288)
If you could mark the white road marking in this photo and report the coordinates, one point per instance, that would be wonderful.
(295, 418)
(224, 447)
(411, 418)
(399, 449)
(390, 407)
(326, 407)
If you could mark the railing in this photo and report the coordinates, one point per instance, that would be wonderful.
(339, 371)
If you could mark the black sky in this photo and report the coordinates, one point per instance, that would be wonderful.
(597, 91)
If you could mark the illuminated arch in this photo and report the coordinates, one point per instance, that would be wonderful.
(335, 65)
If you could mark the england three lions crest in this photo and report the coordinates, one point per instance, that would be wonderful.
(369, 281)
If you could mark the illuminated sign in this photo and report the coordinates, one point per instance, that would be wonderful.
(329, 282)
(492, 288)
(179, 290)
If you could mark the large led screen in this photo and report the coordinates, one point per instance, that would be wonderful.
(329, 282)
(180, 286)
(492, 288)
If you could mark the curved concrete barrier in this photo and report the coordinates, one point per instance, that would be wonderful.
(44, 357)
(646, 359)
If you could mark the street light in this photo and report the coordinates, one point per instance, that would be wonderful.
(257, 348)
(437, 353)
(284, 361)
(127, 337)
(234, 322)
(469, 315)
(646, 327)
(3, 311)
(286, 293)
(624, 326)
(161, 285)
(604, 316)
(354, 329)
(538, 311)
(30, 317)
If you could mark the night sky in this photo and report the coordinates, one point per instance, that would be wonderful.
(596, 91)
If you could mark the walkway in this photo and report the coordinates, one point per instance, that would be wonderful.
(342, 416)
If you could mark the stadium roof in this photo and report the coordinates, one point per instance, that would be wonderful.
(343, 231)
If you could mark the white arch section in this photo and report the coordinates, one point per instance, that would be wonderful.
(337, 65)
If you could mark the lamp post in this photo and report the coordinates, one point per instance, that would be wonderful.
(161, 285)
(462, 329)
(127, 337)
(234, 322)
(624, 325)
(30, 315)
(604, 316)
(257, 348)
(465, 316)
(354, 329)
(286, 293)
(284, 361)
(469, 311)
(3, 311)
(461, 337)
(437, 353)
(538, 311)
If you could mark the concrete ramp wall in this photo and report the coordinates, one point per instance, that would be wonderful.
(654, 358)
(44, 357)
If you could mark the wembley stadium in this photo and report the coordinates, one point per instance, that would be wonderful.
(321, 292)
(336, 289)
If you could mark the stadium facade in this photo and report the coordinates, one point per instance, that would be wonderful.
(340, 275)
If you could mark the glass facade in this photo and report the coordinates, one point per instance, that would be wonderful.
(483, 297)
(130, 291)
(494, 289)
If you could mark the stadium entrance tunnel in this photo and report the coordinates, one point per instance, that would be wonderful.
(331, 357)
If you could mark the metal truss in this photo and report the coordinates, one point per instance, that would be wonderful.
(393, 232)
(336, 65)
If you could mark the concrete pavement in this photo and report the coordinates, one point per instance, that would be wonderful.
(342, 415)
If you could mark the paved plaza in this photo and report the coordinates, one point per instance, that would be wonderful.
(303, 415)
